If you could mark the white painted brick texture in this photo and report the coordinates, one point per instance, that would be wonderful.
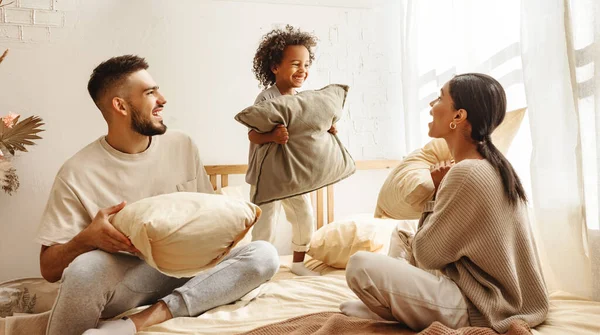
(30, 20)
(349, 53)
(18, 16)
(48, 18)
(36, 34)
(37, 4)
(9, 32)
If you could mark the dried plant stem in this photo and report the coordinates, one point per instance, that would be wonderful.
(3, 55)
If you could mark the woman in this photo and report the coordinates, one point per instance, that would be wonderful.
(475, 231)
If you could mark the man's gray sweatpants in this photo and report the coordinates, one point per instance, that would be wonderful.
(98, 285)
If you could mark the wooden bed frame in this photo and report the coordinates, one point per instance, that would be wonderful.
(224, 171)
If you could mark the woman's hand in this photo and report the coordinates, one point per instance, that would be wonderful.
(438, 171)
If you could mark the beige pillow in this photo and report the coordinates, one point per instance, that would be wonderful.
(183, 233)
(409, 186)
(333, 244)
(312, 158)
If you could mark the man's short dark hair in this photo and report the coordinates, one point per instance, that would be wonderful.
(112, 72)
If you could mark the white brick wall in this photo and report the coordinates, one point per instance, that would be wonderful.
(36, 34)
(48, 18)
(30, 20)
(10, 32)
(37, 4)
(18, 16)
(350, 53)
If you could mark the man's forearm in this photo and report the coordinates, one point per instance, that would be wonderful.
(55, 259)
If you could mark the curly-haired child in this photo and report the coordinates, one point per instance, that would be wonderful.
(281, 65)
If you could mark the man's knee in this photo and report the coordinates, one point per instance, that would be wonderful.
(264, 259)
(89, 269)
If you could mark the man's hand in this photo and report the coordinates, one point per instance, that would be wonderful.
(280, 134)
(438, 171)
(103, 235)
(332, 130)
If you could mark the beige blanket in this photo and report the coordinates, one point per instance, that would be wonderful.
(336, 323)
(312, 158)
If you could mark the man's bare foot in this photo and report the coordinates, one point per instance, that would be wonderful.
(155, 314)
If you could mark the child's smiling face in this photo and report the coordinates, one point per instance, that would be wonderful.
(293, 69)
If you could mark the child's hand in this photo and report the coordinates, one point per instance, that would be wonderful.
(332, 130)
(280, 134)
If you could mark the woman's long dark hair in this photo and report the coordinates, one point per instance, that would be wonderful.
(485, 102)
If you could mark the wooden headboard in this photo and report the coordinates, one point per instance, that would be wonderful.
(223, 171)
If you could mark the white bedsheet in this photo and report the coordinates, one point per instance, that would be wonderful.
(287, 296)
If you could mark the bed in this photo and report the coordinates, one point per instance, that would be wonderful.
(287, 296)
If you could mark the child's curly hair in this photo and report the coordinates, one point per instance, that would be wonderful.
(270, 51)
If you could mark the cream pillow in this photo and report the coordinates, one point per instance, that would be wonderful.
(334, 243)
(409, 186)
(183, 233)
(239, 192)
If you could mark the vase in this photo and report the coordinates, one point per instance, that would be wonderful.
(4, 153)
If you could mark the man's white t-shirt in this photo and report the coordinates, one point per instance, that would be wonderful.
(100, 176)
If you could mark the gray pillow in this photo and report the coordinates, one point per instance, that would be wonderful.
(312, 158)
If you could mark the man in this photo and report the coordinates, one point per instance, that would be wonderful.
(138, 158)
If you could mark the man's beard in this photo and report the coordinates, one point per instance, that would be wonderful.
(145, 126)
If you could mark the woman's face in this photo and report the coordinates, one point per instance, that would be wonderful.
(443, 112)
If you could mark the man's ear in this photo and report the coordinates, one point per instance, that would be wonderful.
(119, 106)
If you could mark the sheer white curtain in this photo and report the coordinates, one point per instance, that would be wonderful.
(560, 58)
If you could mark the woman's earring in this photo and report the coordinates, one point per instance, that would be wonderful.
(452, 125)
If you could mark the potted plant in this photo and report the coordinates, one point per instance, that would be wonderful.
(15, 135)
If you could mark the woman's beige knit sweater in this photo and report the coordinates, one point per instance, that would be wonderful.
(485, 245)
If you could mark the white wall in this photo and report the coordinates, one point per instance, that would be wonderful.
(200, 53)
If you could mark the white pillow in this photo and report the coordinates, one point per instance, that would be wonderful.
(334, 243)
(180, 234)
